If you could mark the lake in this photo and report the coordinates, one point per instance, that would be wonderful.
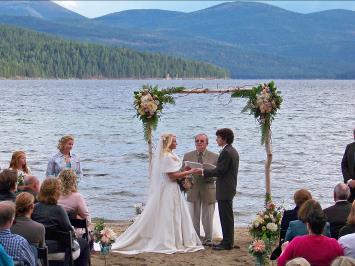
(309, 136)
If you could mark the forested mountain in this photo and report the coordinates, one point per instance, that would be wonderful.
(24, 53)
(250, 39)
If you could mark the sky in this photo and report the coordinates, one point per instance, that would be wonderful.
(93, 9)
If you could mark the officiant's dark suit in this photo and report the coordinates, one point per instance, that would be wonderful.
(226, 172)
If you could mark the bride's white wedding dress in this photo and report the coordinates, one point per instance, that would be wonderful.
(165, 226)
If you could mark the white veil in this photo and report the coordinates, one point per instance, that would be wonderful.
(156, 169)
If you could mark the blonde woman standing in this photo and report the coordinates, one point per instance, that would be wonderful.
(64, 159)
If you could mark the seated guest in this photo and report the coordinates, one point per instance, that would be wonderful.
(339, 212)
(16, 246)
(349, 228)
(23, 225)
(54, 217)
(298, 262)
(299, 198)
(8, 184)
(298, 227)
(347, 242)
(343, 261)
(70, 199)
(32, 185)
(314, 247)
(5, 259)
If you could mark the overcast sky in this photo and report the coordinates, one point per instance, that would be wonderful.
(93, 9)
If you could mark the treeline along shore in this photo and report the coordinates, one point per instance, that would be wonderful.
(27, 54)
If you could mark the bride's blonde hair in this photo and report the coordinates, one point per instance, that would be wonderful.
(167, 140)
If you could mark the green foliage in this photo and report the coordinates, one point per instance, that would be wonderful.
(24, 53)
(99, 226)
(149, 103)
(263, 102)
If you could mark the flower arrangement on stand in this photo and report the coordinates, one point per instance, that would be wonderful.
(149, 102)
(257, 248)
(105, 236)
(265, 230)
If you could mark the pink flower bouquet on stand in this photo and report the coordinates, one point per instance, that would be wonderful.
(105, 236)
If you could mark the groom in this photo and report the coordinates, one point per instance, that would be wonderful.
(226, 172)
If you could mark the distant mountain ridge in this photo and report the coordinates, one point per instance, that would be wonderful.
(252, 40)
(39, 9)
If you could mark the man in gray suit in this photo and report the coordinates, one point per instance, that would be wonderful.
(226, 173)
(203, 193)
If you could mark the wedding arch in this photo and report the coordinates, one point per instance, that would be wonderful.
(263, 101)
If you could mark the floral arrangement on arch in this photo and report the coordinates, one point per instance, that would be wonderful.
(264, 101)
(103, 235)
(265, 229)
(149, 102)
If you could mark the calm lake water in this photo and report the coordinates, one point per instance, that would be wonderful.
(309, 136)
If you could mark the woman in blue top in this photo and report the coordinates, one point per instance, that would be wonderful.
(299, 227)
(64, 159)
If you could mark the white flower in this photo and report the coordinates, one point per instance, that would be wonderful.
(256, 224)
(272, 227)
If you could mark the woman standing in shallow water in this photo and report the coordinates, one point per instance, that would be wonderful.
(64, 159)
(165, 225)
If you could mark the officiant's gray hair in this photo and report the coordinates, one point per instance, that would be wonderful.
(201, 134)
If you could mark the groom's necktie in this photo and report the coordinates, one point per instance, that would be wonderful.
(199, 157)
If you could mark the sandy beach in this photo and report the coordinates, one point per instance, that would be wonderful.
(237, 256)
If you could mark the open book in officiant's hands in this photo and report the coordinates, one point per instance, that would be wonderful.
(199, 165)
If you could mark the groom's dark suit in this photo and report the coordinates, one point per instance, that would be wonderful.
(226, 172)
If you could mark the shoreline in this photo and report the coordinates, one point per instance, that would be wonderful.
(237, 256)
(97, 78)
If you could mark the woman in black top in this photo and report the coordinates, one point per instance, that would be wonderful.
(54, 217)
(349, 228)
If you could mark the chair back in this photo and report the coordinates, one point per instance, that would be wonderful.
(65, 240)
(42, 254)
(83, 224)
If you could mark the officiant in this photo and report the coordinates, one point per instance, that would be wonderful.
(202, 195)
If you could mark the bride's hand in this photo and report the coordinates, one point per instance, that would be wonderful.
(196, 171)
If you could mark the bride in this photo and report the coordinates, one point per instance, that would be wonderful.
(165, 225)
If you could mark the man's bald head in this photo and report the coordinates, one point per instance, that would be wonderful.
(32, 183)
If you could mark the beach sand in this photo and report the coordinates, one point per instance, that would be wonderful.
(237, 256)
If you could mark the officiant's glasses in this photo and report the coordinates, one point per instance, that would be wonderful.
(199, 141)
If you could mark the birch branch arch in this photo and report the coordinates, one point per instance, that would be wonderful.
(263, 101)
